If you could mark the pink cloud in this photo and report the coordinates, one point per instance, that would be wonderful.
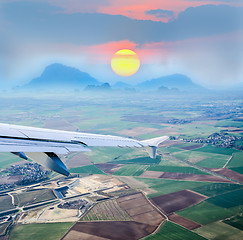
(133, 9)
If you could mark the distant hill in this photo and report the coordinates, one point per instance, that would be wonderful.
(121, 85)
(58, 76)
(102, 87)
(178, 81)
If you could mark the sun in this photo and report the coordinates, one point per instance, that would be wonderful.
(125, 62)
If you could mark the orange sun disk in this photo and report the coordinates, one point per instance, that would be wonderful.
(125, 62)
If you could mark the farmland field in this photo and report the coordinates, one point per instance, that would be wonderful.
(214, 189)
(118, 230)
(189, 170)
(131, 170)
(189, 146)
(219, 230)
(47, 231)
(7, 158)
(237, 160)
(5, 202)
(172, 231)
(164, 186)
(237, 169)
(236, 221)
(140, 210)
(183, 176)
(216, 150)
(204, 159)
(100, 155)
(228, 123)
(140, 160)
(108, 210)
(184, 222)
(213, 162)
(171, 150)
(92, 169)
(176, 201)
(108, 168)
(32, 197)
(205, 213)
(228, 200)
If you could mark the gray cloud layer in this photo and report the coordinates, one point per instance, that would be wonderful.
(160, 13)
(47, 23)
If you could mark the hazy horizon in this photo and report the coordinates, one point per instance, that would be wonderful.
(199, 39)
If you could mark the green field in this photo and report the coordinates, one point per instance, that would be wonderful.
(236, 221)
(164, 186)
(8, 158)
(203, 159)
(214, 189)
(215, 161)
(171, 150)
(205, 213)
(172, 231)
(110, 154)
(228, 123)
(237, 169)
(92, 169)
(47, 231)
(195, 129)
(228, 200)
(189, 170)
(186, 144)
(5, 203)
(236, 160)
(219, 231)
(33, 197)
(216, 150)
(131, 170)
(167, 160)
(139, 160)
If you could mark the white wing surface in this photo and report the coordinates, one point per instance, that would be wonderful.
(43, 145)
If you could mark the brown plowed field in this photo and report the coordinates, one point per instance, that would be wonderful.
(183, 176)
(184, 222)
(144, 215)
(124, 230)
(151, 174)
(228, 173)
(192, 147)
(176, 201)
(193, 177)
(140, 210)
(109, 168)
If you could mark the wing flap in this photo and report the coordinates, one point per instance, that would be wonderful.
(26, 145)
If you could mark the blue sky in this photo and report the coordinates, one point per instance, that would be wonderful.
(202, 39)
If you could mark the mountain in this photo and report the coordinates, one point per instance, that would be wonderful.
(178, 81)
(102, 87)
(58, 76)
(121, 85)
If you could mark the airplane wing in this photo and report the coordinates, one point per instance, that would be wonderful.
(43, 145)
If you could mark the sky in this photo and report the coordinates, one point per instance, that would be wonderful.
(201, 39)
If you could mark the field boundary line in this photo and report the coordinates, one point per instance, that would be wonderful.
(228, 161)
(204, 169)
(160, 211)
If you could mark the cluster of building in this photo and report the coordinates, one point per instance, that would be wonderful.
(221, 139)
(28, 173)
